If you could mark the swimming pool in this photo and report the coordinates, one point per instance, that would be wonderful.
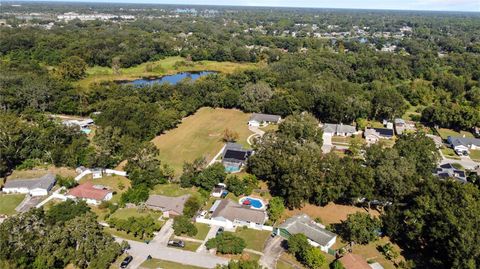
(231, 169)
(86, 131)
(255, 203)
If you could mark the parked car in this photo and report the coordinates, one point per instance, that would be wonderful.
(219, 231)
(176, 243)
(126, 261)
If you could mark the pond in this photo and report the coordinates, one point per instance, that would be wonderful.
(170, 79)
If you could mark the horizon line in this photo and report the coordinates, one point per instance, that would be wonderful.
(232, 5)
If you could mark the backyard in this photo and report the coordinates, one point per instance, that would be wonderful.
(41, 171)
(445, 133)
(159, 68)
(8, 203)
(200, 135)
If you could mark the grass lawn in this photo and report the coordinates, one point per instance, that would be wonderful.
(125, 213)
(255, 239)
(450, 153)
(200, 135)
(341, 140)
(41, 171)
(122, 234)
(8, 203)
(445, 133)
(155, 263)
(270, 127)
(159, 68)
(173, 190)
(331, 213)
(111, 181)
(370, 252)
(202, 230)
(475, 155)
(190, 246)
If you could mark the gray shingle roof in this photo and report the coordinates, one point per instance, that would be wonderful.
(265, 117)
(168, 203)
(463, 141)
(44, 182)
(339, 128)
(303, 224)
(234, 211)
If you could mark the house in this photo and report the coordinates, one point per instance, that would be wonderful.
(463, 145)
(436, 139)
(231, 215)
(92, 194)
(339, 129)
(170, 206)
(80, 123)
(234, 157)
(97, 173)
(354, 261)
(402, 125)
(219, 190)
(35, 186)
(373, 135)
(316, 233)
(447, 170)
(258, 119)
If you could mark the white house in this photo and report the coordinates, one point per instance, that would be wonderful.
(463, 145)
(35, 187)
(230, 215)
(92, 194)
(258, 119)
(316, 233)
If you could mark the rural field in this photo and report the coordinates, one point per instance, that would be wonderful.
(200, 135)
(162, 67)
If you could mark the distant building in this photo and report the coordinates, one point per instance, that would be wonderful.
(402, 126)
(463, 145)
(258, 119)
(436, 139)
(316, 233)
(373, 135)
(339, 129)
(231, 215)
(92, 194)
(447, 170)
(35, 186)
(219, 190)
(170, 206)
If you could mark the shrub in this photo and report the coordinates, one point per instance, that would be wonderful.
(67, 182)
(135, 195)
(192, 205)
(227, 243)
(360, 228)
(182, 225)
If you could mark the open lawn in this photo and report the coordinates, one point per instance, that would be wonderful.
(174, 190)
(8, 203)
(159, 68)
(445, 133)
(41, 171)
(114, 182)
(202, 229)
(331, 213)
(449, 153)
(200, 135)
(475, 155)
(255, 239)
(155, 263)
(125, 213)
(371, 253)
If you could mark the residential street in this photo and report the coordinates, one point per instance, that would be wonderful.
(465, 161)
(157, 249)
(272, 251)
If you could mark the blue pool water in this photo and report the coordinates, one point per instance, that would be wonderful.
(86, 131)
(171, 79)
(255, 203)
(231, 169)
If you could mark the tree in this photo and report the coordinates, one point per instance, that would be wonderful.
(135, 195)
(192, 205)
(313, 258)
(144, 167)
(66, 211)
(226, 243)
(360, 228)
(67, 182)
(229, 135)
(255, 96)
(183, 225)
(241, 264)
(72, 68)
(191, 172)
(241, 186)
(302, 128)
(275, 208)
(211, 176)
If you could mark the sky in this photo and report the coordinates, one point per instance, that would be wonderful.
(450, 5)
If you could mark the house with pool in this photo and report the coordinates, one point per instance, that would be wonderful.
(230, 215)
(315, 232)
(235, 157)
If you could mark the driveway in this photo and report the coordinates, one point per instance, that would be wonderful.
(465, 161)
(164, 234)
(272, 251)
(327, 143)
(211, 234)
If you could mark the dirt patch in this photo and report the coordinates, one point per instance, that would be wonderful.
(331, 213)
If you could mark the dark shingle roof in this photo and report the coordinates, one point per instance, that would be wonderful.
(44, 182)
(303, 224)
(384, 132)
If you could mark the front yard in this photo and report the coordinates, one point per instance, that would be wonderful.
(445, 133)
(475, 155)
(155, 263)
(255, 239)
(449, 153)
(8, 203)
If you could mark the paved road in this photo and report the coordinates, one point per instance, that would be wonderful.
(465, 161)
(272, 251)
(211, 234)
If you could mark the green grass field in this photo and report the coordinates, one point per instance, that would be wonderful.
(8, 203)
(445, 133)
(155, 263)
(200, 135)
(173, 190)
(202, 229)
(475, 155)
(159, 68)
(125, 213)
(450, 153)
(255, 239)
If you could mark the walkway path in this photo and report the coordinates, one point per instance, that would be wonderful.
(216, 156)
(257, 132)
(54, 195)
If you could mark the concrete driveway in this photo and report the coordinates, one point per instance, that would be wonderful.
(327, 143)
(272, 251)
(465, 161)
(211, 234)
(164, 234)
